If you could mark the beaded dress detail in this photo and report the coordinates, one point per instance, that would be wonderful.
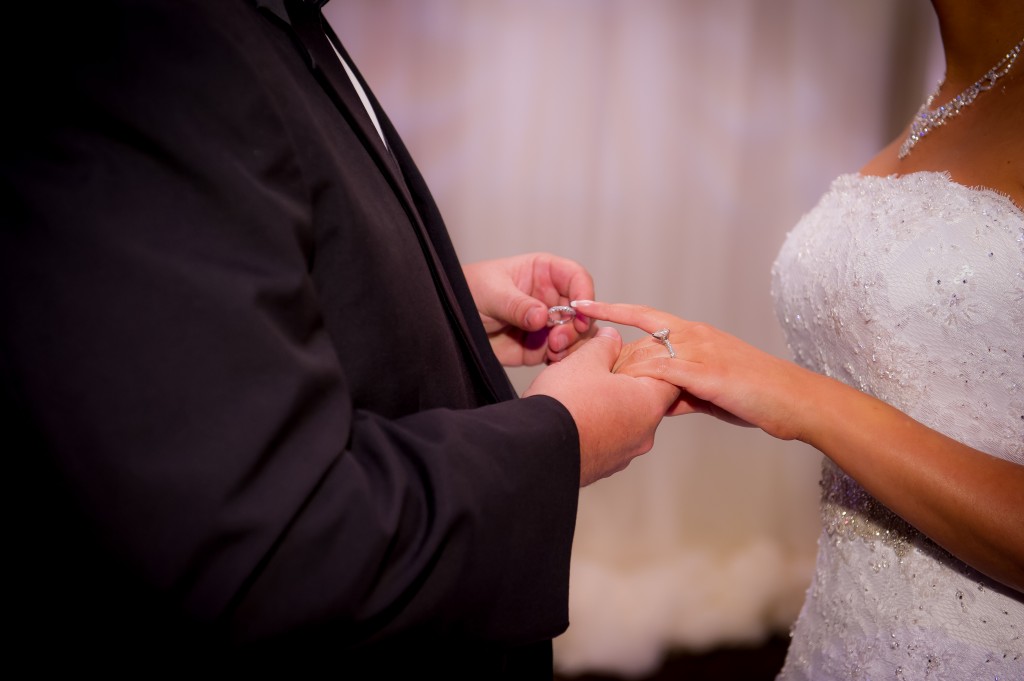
(909, 288)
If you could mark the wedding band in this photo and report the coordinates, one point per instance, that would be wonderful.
(560, 314)
(661, 335)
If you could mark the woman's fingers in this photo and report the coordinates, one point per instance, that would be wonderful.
(642, 317)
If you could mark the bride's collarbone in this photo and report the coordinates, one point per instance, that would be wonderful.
(989, 157)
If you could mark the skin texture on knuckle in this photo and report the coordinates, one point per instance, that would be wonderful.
(661, 368)
(645, 445)
(700, 332)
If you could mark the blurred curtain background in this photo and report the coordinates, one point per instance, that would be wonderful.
(668, 145)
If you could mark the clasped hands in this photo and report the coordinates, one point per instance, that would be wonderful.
(617, 393)
(514, 295)
(519, 297)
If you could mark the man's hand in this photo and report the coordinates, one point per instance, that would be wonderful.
(513, 296)
(616, 415)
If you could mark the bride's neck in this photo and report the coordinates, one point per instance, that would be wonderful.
(976, 34)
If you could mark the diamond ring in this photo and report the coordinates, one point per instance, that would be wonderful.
(661, 335)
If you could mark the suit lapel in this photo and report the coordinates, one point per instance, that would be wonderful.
(317, 37)
(313, 33)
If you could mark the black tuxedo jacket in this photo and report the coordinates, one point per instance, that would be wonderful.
(249, 409)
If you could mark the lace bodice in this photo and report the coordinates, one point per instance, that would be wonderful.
(909, 288)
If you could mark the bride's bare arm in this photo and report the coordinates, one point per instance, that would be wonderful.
(967, 501)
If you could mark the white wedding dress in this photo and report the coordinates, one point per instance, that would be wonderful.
(910, 288)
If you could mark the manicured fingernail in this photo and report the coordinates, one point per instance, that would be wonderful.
(580, 303)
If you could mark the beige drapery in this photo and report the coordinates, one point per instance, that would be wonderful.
(668, 145)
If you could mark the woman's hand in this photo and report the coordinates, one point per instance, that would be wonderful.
(717, 373)
(966, 500)
(513, 295)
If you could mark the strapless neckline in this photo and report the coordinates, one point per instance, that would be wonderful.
(936, 178)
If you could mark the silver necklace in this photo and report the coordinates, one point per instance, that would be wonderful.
(927, 120)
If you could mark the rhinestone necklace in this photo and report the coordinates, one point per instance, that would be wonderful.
(927, 120)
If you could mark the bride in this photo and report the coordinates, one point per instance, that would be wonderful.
(902, 297)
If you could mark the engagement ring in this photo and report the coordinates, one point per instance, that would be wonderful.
(661, 335)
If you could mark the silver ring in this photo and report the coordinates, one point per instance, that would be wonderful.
(560, 314)
(661, 335)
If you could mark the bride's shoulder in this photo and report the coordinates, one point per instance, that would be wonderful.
(986, 157)
(997, 168)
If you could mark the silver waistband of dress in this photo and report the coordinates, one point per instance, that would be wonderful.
(849, 512)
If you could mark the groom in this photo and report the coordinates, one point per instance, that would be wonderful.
(253, 410)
